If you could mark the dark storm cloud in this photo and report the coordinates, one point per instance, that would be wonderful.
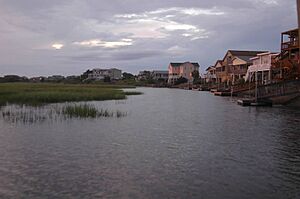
(50, 37)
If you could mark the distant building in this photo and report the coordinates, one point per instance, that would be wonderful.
(261, 68)
(37, 79)
(55, 78)
(99, 74)
(144, 75)
(177, 70)
(160, 75)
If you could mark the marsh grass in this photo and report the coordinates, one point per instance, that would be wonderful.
(23, 115)
(89, 111)
(29, 115)
(80, 111)
(40, 94)
(85, 111)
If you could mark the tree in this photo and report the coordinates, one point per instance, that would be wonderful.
(128, 76)
(181, 80)
(195, 75)
(85, 75)
(106, 79)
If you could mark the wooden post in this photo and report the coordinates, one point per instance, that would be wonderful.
(298, 10)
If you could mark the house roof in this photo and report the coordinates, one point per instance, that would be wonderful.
(160, 71)
(210, 67)
(244, 55)
(219, 61)
(179, 64)
(293, 31)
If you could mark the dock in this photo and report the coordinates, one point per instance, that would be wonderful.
(222, 93)
(253, 102)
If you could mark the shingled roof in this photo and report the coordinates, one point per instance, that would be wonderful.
(179, 64)
(210, 67)
(245, 55)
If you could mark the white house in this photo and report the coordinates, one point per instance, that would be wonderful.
(100, 74)
(160, 75)
(261, 68)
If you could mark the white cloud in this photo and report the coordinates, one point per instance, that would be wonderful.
(270, 2)
(105, 44)
(162, 23)
(188, 11)
(177, 50)
(57, 46)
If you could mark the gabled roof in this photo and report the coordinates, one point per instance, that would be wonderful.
(179, 64)
(219, 61)
(210, 67)
(245, 55)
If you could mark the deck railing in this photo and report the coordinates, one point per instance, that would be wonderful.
(290, 44)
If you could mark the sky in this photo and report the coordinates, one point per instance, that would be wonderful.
(68, 37)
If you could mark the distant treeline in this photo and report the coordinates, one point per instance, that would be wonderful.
(55, 79)
(126, 78)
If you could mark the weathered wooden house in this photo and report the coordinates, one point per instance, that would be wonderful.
(221, 73)
(234, 66)
(287, 65)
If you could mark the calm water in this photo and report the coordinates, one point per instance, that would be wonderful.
(171, 144)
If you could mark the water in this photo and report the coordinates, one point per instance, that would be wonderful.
(171, 144)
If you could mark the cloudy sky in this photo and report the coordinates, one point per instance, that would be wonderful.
(68, 37)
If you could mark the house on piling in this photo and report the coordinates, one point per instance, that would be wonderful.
(287, 65)
(234, 66)
(261, 68)
(221, 73)
(210, 75)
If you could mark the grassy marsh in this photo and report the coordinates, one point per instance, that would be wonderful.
(42, 93)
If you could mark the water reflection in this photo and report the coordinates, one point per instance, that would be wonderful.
(172, 144)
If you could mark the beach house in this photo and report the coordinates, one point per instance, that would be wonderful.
(210, 75)
(99, 74)
(234, 66)
(185, 70)
(261, 68)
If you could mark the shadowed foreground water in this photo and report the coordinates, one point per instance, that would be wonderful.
(171, 144)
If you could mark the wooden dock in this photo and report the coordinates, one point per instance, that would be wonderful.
(253, 102)
(222, 93)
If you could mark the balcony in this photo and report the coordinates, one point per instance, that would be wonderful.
(290, 45)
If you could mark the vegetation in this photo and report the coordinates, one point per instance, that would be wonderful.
(42, 93)
(196, 76)
(181, 80)
(29, 114)
(128, 76)
(89, 111)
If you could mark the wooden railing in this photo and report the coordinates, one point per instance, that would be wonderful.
(290, 44)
